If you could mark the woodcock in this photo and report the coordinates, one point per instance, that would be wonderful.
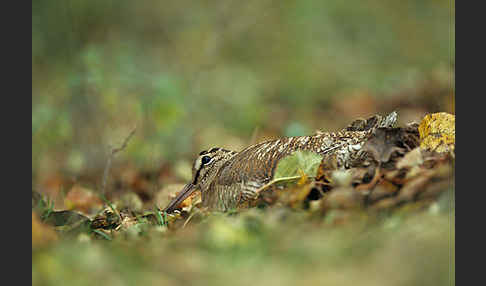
(227, 178)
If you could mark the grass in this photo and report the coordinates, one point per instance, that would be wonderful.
(101, 67)
(162, 221)
(104, 235)
(275, 246)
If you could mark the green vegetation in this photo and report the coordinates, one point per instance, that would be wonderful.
(277, 247)
(196, 74)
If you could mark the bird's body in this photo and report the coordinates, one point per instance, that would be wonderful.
(228, 178)
(245, 172)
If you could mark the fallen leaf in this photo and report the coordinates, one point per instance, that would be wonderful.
(65, 217)
(412, 188)
(42, 234)
(411, 159)
(82, 199)
(383, 143)
(297, 163)
(438, 132)
(342, 198)
(382, 190)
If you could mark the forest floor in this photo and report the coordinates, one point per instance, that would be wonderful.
(390, 223)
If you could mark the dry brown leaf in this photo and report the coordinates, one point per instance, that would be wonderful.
(411, 159)
(412, 188)
(82, 199)
(382, 190)
(42, 234)
(384, 204)
(383, 143)
(342, 198)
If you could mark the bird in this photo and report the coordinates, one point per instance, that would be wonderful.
(227, 178)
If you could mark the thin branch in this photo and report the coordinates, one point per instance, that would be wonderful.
(110, 157)
(125, 142)
(105, 174)
(188, 219)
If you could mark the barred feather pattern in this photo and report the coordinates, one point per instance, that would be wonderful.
(244, 172)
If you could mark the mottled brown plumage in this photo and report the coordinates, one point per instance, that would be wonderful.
(228, 178)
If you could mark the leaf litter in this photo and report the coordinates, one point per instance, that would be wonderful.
(405, 165)
(406, 170)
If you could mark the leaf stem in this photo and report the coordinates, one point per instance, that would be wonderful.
(278, 180)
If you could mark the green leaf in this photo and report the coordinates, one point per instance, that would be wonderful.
(297, 162)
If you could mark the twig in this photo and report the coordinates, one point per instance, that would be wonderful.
(189, 218)
(110, 157)
(107, 169)
(125, 142)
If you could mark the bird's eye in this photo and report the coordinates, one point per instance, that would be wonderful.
(205, 160)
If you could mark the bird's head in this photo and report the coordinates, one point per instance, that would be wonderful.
(204, 170)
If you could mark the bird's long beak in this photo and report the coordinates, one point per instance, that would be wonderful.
(186, 191)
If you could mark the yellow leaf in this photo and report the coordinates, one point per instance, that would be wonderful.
(438, 132)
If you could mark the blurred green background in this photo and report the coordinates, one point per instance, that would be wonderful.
(197, 74)
(194, 74)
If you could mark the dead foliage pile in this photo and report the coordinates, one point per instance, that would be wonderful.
(407, 167)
